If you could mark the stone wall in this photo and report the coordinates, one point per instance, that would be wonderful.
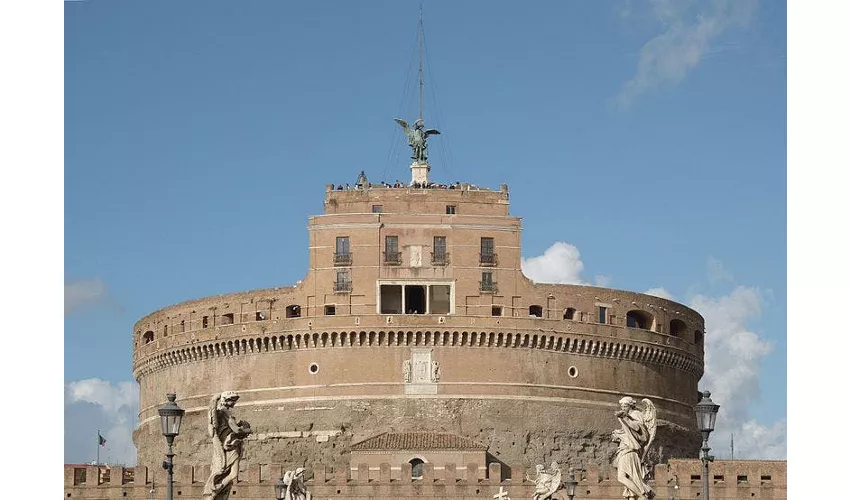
(529, 370)
(740, 479)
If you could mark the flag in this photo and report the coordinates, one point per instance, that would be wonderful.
(101, 440)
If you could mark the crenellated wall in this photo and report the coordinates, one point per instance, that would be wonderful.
(739, 479)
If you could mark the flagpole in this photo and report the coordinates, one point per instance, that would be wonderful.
(97, 462)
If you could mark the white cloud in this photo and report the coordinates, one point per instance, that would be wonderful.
(685, 41)
(85, 293)
(95, 404)
(602, 280)
(660, 292)
(560, 263)
(733, 357)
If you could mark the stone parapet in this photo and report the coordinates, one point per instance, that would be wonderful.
(752, 479)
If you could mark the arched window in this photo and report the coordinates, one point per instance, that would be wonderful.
(293, 311)
(148, 337)
(639, 319)
(536, 311)
(417, 468)
(569, 313)
(677, 327)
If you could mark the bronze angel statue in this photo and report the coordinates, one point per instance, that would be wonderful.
(634, 437)
(416, 138)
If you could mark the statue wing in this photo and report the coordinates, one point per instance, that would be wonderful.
(556, 483)
(212, 415)
(432, 131)
(649, 418)
(403, 124)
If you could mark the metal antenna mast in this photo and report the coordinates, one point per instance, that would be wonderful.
(420, 60)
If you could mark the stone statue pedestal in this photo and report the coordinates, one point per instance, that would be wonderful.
(419, 172)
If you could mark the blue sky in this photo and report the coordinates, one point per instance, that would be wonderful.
(644, 144)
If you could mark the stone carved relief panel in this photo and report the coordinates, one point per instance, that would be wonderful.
(421, 372)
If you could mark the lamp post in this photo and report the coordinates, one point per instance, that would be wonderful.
(706, 412)
(280, 489)
(571, 484)
(170, 416)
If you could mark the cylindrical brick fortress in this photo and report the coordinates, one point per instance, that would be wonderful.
(415, 315)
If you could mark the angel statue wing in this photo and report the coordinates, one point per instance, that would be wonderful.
(432, 131)
(649, 413)
(555, 482)
(212, 415)
(403, 125)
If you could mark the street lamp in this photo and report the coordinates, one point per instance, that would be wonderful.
(170, 416)
(571, 484)
(280, 489)
(706, 412)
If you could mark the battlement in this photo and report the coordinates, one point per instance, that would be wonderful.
(460, 198)
(680, 477)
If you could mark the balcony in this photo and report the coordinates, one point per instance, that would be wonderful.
(488, 259)
(342, 259)
(392, 258)
(439, 258)
(487, 287)
(342, 286)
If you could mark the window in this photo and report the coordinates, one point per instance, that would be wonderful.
(451, 209)
(417, 468)
(742, 479)
(182, 325)
(391, 253)
(439, 257)
(148, 337)
(165, 330)
(488, 252)
(487, 284)
(570, 313)
(765, 477)
(414, 299)
(639, 319)
(227, 319)
(439, 299)
(377, 209)
(391, 299)
(293, 311)
(698, 337)
(536, 311)
(677, 327)
(205, 321)
(603, 313)
(342, 253)
(260, 316)
(343, 282)
(330, 310)
(497, 310)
